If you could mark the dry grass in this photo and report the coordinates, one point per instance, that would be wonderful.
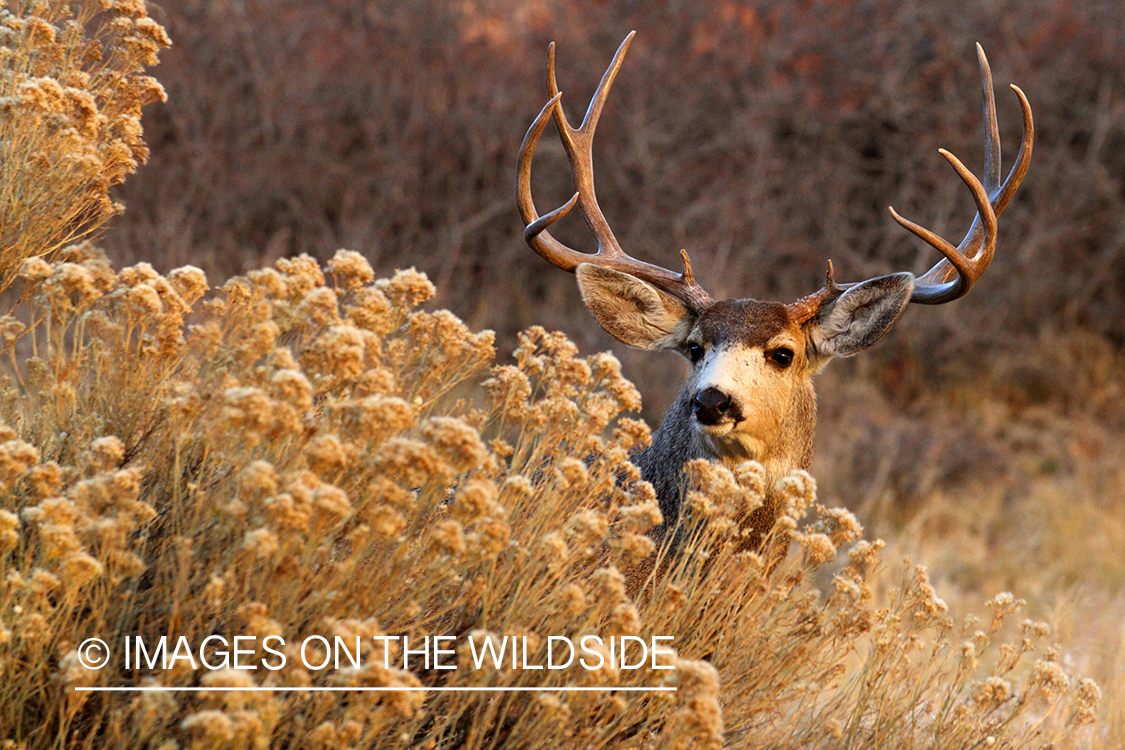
(305, 450)
(294, 463)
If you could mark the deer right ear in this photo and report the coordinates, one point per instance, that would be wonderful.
(633, 311)
(859, 317)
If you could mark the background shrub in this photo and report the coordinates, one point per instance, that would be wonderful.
(764, 138)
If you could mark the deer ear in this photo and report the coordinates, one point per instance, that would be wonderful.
(859, 317)
(633, 311)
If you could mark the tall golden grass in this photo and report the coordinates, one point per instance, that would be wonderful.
(308, 451)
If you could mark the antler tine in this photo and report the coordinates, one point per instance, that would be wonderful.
(535, 233)
(578, 143)
(969, 268)
(991, 129)
(954, 275)
(1023, 158)
(944, 270)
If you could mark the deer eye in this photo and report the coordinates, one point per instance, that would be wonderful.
(695, 352)
(782, 357)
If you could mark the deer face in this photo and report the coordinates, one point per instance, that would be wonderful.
(750, 391)
(750, 376)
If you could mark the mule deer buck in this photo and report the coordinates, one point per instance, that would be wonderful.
(750, 391)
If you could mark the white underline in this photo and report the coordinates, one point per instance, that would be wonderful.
(148, 689)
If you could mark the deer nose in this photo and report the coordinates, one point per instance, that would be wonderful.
(711, 405)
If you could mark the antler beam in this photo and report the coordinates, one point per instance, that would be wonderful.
(578, 143)
(962, 265)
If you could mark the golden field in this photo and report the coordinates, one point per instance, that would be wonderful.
(307, 445)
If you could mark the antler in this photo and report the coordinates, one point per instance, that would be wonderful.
(970, 259)
(578, 143)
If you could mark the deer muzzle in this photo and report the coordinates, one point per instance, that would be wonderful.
(711, 406)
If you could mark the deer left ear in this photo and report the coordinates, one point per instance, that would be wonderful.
(633, 311)
(858, 318)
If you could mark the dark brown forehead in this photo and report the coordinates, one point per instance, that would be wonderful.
(747, 321)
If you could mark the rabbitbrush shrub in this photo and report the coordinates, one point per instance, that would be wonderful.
(72, 85)
(298, 453)
(306, 452)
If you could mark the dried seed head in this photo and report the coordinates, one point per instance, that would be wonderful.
(302, 274)
(1088, 696)
(992, 692)
(407, 289)
(491, 537)
(107, 452)
(636, 547)
(350, 269)
(9, 534)
(36, 270)
(16, 457)
(259, 477)
(456, 442)
(73, 672)
(518, 485)
(554, 550)
(625, 619)
(700, 716)
(818, 549)
(369, 308)
(798, 493)
(215, 727)
(510, 390)
(332, 501)
(611, 585)
(320, 306)
(80, 568)
(632, 433)
(449, 537)
(287, 512)
(412, 463)
(864, 555)
(476, 499)
(326, 454)
(262, 543)
(587, 527)
(1049, 677)
(190, 283)
(574, 471)
(292, 386)
(386, 520)
(641, 517)
(572, 599)
(840, 524)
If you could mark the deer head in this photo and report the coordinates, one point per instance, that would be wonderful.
(750, 392)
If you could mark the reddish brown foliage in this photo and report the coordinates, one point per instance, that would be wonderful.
(765, 138)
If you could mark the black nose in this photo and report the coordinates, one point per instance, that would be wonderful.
(711, 405)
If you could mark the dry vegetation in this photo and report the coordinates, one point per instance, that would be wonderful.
(70, 98)
(306, 450)
(293, 464)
